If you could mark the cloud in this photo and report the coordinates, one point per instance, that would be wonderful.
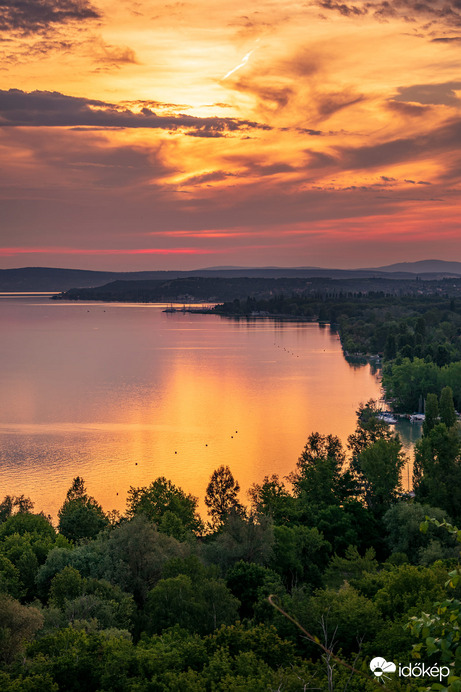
(445, 11)
(112, 55)
(271, 96)
(441, 140)
(409, 109)
(328, 104)
(30, 16)
(53, 109)
(448, 39)
(430, 94)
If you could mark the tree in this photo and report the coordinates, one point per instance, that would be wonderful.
(80, 516)
(300, 555)
(437, 469)
(320, 479)
(272, 498)
(221, 495)
(159, 501)
(390, 349)
(447, 407)
(198, 605)
(377, 470)
(134, 554)
(12, 503)
(241, 538)
(18, 625)
(369, 428)
(432, 413)
(248, 581)
(438, 627)
(65, 586)
(402, 522)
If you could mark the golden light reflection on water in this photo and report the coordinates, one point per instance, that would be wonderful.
(123, 394)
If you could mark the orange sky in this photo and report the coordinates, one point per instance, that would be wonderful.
(142, 135)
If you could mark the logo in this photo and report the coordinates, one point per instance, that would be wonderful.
(380, 667)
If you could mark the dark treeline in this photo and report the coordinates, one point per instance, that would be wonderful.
(213, 289)
(418, 336)
(160, 600)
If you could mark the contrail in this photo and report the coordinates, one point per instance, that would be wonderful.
(242, 64)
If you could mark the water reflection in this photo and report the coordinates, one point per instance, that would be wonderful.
(121, 394)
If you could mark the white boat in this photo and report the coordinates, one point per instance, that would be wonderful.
(417, 418)
(387, 418)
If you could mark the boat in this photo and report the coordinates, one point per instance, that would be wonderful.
(417, 418)
(387, 418)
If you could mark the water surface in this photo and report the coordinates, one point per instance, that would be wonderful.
(123, 393)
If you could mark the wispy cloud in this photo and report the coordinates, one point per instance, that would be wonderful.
(445, 11)
(29, 16)
(53, 109)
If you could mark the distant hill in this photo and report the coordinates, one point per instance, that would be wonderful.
(424, 266)
(222, 289)
(57, 279)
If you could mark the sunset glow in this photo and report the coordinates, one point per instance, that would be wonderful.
(156, 136)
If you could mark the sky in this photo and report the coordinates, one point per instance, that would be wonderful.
(140, 135)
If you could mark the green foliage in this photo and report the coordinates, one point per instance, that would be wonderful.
(174, 512)
(65, 586)
(351, 566)
(370, 428)
(12, 504)
(447, 407)
(407, 381)
(377, 470)
(402, 522)
(320, 479)
(437, 469)
(432, 413)
(241, 538)
(251, 583)
(439, 631)
(406, 589)
(80, 516)
(199, 605)
(300, 555)
(272, 498)
(18, 624)
(134, 554)
(221, 496)
(345, 617)
(10, 579)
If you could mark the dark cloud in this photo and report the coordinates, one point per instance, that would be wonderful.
(440, 141)
(52, 109)
(29, 16)
(410, 109)
(209, 177)
(430, 94)
(329, 104)
(114, 55)
(272, 169)
(308, 131)
(271, 96)
(445, 11)
(342, 8)
(448, 39)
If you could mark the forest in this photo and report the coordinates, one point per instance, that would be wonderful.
(417, 337)
(299, 588)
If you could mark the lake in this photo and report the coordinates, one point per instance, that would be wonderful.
(123, 393)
